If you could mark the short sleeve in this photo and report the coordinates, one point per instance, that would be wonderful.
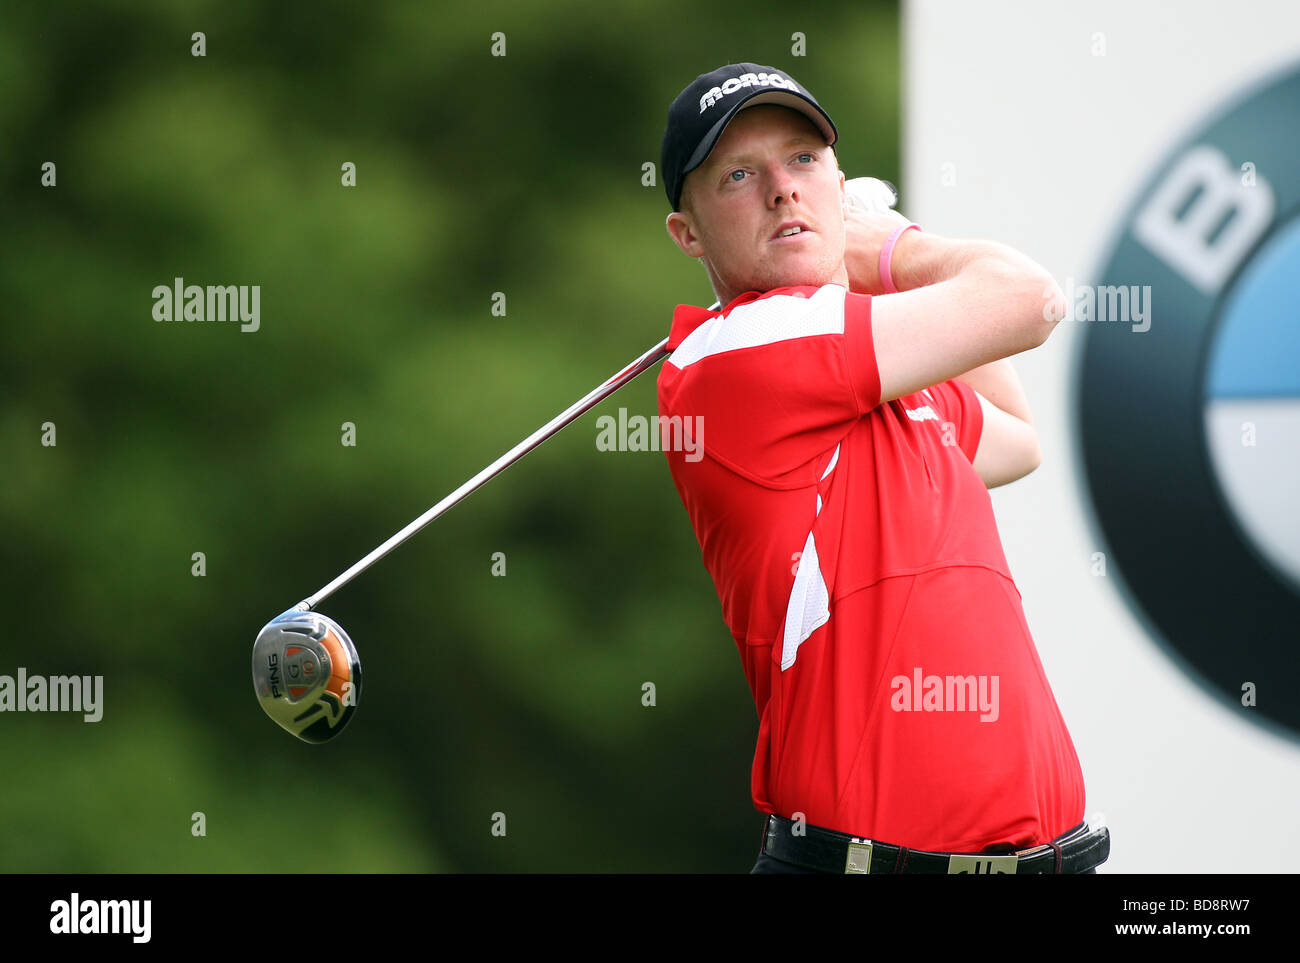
(777, 382)
(860, 345)
(960, 405)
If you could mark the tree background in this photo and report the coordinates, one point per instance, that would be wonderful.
(475, 174)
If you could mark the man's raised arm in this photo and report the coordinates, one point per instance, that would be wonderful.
(961, 304)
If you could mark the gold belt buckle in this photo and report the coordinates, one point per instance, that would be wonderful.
(858, 861)
(980, 864)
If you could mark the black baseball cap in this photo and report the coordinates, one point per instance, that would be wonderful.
(702, 111)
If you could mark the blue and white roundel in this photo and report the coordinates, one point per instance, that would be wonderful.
(1252, 401)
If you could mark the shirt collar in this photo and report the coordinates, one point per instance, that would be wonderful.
(688, 317)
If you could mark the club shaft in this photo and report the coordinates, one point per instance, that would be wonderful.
(574, 411)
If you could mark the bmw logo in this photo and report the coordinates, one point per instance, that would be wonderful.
(1189, 415)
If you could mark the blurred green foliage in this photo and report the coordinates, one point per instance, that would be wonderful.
(475, 174)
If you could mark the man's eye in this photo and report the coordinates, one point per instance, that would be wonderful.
(809, 156)
(733, 174)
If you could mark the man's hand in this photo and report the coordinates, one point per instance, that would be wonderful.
(869, 220)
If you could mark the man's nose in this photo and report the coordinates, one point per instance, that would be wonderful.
(781, 185)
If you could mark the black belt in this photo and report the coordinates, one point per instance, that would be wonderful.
(828, 851)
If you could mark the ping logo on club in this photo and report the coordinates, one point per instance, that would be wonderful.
(1190, 434)
(273, 674)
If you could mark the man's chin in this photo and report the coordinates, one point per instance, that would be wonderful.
(791, 275)
(795, 279)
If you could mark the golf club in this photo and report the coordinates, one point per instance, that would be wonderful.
(306, 671)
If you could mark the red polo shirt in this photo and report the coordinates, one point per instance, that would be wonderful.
(854, 549)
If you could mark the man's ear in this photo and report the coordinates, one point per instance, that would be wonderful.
(844, 198)
(682, 231)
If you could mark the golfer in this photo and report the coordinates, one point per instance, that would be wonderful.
(856, 406)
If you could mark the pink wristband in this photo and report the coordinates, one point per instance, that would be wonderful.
(887, 255)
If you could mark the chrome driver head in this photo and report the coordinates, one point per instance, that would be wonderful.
(307, 674)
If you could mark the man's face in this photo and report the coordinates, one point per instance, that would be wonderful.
(771, 166)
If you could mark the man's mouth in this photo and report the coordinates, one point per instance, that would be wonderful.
(790, 229)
